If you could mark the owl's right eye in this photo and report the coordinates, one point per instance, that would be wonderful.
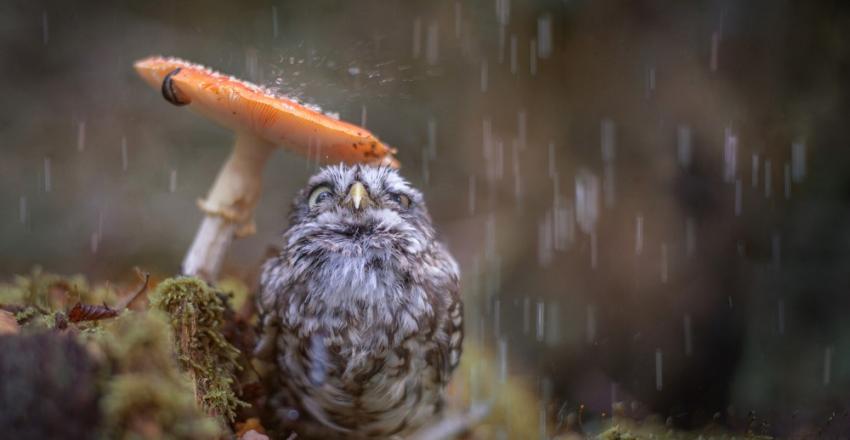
(319, 195)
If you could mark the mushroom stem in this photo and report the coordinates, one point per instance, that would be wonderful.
(229, 206)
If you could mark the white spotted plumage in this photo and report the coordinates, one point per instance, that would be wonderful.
(360, 311)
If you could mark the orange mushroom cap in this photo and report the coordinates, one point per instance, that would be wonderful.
(248, 108)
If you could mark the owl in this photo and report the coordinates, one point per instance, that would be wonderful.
(360, 311)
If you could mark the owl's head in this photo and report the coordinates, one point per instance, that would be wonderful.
(359, 210)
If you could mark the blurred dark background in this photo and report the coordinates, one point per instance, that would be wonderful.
(649, 199)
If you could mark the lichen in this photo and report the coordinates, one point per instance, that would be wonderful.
(196, 313)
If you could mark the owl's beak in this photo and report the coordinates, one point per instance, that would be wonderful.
(359, 196)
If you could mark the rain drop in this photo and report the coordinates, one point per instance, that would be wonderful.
(503, 11)
(124, 154)
(432, 48)
(522, 128)
(471, 195)
(544, 36)
(767, 178)
(587, 200)
(81, 136)
(683, 145)
(363, 115)
(730, 155)
(458, 19)
(432, 138)
(532, 57)
(45, 30)
(755, 172)
(690, 237)
(591, 324)
(638, 234)
(738, 197)
(274, 22)
(172, 181)
(787, 172)
(484, 69)
(22, 210)
(659, 366)
(798, 161)
(526, 315)
(544, 240)
(94, 242)
(827, 365)
(48, 175)
(503, 360)
(417, 37)
(594, 255)
(715, 48)
(514, 60)
(541, 320)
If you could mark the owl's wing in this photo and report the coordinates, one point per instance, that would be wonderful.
(273, 284)
(449, 290)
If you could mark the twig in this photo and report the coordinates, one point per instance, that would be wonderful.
(453, 425)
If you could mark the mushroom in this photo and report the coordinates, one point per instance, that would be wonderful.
(261, 120)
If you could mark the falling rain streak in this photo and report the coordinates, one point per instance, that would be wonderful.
(48, 175)
(172, 181)
(659, 370)
(124, 154)
(22, 210)
(541, 321)
(45, 29)
(827, 365)
(81, 136)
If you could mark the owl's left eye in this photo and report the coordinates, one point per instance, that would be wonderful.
(401, 199)
(319, 195)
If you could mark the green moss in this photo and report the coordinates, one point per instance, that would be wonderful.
(145, 394)
(196, 314)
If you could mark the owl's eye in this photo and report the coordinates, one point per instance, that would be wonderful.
(401, 199)
(319, 195)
